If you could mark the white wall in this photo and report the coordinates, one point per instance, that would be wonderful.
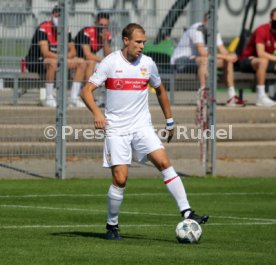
(151, 13)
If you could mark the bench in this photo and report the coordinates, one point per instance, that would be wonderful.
(15, 75)
(242, 80)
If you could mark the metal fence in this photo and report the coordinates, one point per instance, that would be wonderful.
(24, 147)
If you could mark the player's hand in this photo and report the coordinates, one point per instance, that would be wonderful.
(104, 34)
(170, 135)
(99, 120)
(232, 57)
(170, 129)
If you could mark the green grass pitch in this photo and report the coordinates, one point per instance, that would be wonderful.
(53, 222)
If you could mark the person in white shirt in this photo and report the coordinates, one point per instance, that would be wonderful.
(127, 122)
(191, 55)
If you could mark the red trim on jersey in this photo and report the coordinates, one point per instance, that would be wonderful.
(48, 28)
(126, 83)
(169, 180)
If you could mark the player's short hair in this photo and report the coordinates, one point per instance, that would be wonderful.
(56, 9)
(102, 15)
(128, 30)
(272, 12)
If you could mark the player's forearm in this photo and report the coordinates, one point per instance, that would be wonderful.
(268, 56)
(106, 49)
(88, 98)
(93, 57)
(202, 51)
(164, 101)
(261, 53)
(49, 54)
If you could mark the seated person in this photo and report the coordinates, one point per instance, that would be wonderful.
(90, 40)
(191, 55)
(258, 57)
(42, 58)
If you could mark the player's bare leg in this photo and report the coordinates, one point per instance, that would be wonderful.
(202, 63)
(90, 67)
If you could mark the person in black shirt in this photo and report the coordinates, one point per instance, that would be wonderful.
(42, 58)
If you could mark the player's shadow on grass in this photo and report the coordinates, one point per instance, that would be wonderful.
(80, 234)
(103, 236)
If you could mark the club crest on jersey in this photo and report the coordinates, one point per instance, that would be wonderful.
(118, 83)
(144, 71)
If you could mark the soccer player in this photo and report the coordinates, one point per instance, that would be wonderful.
(42, 58)
(127, 122)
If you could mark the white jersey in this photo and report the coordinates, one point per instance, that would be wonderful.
(187, 44)
(126, 107)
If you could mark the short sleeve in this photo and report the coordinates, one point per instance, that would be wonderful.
(100, 75)
(260, 36)
(82, 38)
(197, 36)
(41, 35)
(219, 40)
(155, 80)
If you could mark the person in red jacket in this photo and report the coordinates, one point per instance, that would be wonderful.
(42, 58)
(258, 57)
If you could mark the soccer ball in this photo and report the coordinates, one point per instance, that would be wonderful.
(188, 231)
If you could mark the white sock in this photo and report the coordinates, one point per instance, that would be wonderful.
(176, 188)
(231, 92)
(49, 90)
(75, 90)
(261, 91)
(115, 199)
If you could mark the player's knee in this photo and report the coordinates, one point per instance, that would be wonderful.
(164, 164)
(82, 64)
(119, 179)
(52, 66)
(263, 63)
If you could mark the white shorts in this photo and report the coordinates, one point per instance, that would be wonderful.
(118, 148)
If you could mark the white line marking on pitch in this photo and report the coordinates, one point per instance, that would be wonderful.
(127, 212)
(139, 194)
(123, 225)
